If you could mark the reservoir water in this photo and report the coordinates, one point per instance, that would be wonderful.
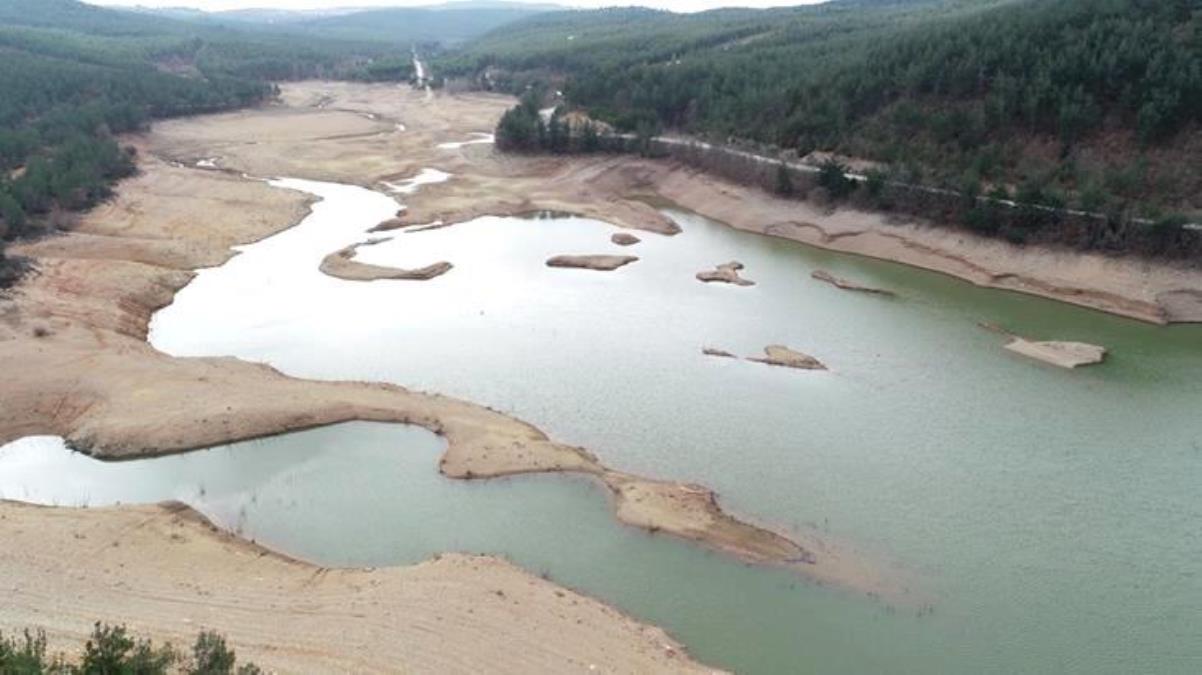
(1051, 517)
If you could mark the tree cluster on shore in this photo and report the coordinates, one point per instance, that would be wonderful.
(524, 129)
(112, 651)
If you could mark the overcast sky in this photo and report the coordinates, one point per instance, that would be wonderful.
(675, 5)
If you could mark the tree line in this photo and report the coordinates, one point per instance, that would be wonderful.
(524, 128)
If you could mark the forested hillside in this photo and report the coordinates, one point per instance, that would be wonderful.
(1095, 103)
(73, 76)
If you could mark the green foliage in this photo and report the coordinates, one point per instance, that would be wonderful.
(520, 128)
(590, 140)
(874, 185)
(25, 655)
(112, 651)
(211, 656)
(524, 128)
(403, 25)
(784, 184)
(943, 85)
(833, 176)
(73, 76)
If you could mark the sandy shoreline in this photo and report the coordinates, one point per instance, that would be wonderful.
(165, 572)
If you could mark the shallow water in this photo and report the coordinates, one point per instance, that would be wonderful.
(1051, 516)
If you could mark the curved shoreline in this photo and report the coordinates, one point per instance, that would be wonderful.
(1096, 282)
(207, 401)
(73, 349)
(166, 571)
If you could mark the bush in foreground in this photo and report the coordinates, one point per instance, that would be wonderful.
(112, 651)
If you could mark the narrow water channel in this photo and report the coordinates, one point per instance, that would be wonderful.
(1051, 516)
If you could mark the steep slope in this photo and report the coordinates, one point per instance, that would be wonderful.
(1094, 103)
(75, 75)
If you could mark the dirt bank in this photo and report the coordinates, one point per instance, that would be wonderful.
(1124, 286)
(166, 573)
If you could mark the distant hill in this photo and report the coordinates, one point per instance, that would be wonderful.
(446, 23)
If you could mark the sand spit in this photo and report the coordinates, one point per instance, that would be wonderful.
(1062, 354)
(1057, 353)
(341, 264)
(624, 239)
(823, 275)
(779, 355)
(697, 516)
(721, 353)
(727, 273)
(602, 263)
(165, 572)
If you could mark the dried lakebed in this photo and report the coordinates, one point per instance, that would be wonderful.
(1046, 518)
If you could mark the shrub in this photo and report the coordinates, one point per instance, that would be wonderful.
(833, 176)
(784, 184)
(111, 651)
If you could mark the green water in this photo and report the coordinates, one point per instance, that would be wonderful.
(1051, 517)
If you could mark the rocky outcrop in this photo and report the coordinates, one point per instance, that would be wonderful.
(779, 355)
(602, 263)
(727, 273)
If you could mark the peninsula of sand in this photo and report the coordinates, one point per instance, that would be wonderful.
(76, 362)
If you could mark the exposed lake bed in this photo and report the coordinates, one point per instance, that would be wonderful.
(949, 477)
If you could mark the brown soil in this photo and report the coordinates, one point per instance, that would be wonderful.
(602, 263)
(727, 273)
(165, 572)
(779, 355)
(341, 264)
